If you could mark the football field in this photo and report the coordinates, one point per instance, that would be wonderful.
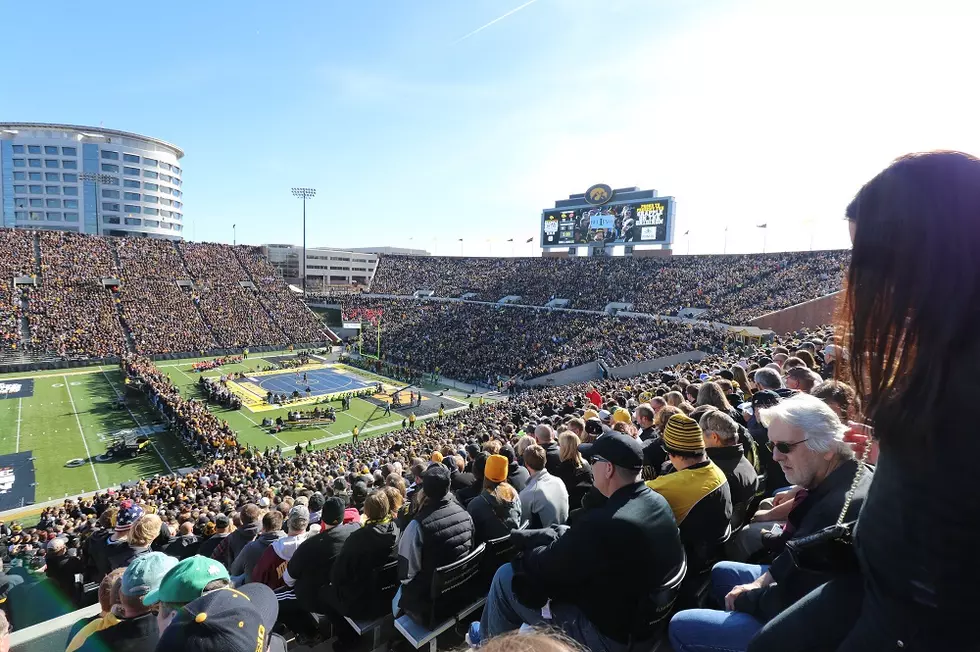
(59, 416)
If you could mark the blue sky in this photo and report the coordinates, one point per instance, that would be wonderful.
(747, 112)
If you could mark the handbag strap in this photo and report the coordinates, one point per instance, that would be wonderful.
(854, 484)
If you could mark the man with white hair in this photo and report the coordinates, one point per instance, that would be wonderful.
(806, 439)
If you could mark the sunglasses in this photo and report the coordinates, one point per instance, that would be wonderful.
(596, 459)
(783, 447)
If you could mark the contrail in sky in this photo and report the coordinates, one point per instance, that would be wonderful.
(495, 20)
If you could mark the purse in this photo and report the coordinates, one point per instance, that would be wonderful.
(830, 550)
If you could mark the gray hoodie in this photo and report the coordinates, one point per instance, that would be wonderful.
(250, 554)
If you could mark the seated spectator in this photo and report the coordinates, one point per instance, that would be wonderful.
(81, 630)
(617, 539)
(802, 379)
(698, 492)
(574, 471)
(841, 398)
(544, 501)
(497, 510)
(722, 447)
(366, 550)
(440, 533)
(136, 630)
(185, 582)
(805, 436)
(223, 620)
(463, 488)
(241, 569)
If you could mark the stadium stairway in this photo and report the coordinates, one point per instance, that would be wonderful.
(130, 341)
(25, 324)
(37, 254)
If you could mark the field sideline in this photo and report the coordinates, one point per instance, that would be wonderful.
(71, 415)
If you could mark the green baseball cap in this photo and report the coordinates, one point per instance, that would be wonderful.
(185, 582)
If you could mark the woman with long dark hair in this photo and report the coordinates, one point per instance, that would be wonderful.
(912, 324)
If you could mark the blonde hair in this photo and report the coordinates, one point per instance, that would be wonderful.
(674, 398)
(568, 448)
(525, 441)
(145, 530)
(665, 413)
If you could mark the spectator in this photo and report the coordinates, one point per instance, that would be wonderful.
(841, 398)
(111, 549)
(698, 493)
(229, 548)
(271, 567)
(544, 501)
(185, 582)
(644, 416)
(136, 630)
(805, 436)
(185, 544)
(517, 475)
(222, 620)
(465, 495)
(108, 599)
(364, 552)
(574, 471)
(61, 568)
(309, 568)
(440, 533)
(723, 449)
(222, 530)
(241, 569)
(497, 510)
(616, 537)
(801, 379)
(544, 435)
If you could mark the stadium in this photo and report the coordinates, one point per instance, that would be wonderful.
(572, 433)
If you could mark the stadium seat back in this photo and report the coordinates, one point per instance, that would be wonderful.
(456, 585)
(654, 613)
(386, 580)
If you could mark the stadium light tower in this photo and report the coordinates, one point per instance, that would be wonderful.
(98, 178)
(304, 194)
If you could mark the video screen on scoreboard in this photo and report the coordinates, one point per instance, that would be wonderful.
(636, 222)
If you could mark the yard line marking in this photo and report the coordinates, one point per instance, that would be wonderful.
(82, 433)
(137, 422)
(20, 405)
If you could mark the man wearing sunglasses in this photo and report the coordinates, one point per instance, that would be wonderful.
(600, 573)
(806, 439)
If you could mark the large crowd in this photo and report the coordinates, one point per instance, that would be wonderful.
(485, 344)
(76, 310)
(811, 494)
(730, 289)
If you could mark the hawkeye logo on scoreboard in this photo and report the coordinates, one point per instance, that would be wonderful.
(598, 194)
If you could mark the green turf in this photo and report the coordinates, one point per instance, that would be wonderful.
(74, 408)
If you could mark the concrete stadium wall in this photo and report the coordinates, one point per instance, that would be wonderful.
(579, 374)
(646, 366)
(809, 314)
(51, 635)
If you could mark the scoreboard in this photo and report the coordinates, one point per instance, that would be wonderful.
(648, 220)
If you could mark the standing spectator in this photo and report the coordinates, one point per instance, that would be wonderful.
(241, 569)
(365, 551)
(616, 538)
(61, 568)
(229, 549)
(574, 471)
(644, 415)
(544, 501)
(544, 435)
(440, 533)
(222, 530)
(517, 475)
(137, 630)
(110, 549)
(186, 543)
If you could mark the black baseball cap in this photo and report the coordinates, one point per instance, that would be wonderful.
(225, 620)
(622, 450)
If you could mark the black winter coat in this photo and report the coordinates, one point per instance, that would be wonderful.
(365, 551)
